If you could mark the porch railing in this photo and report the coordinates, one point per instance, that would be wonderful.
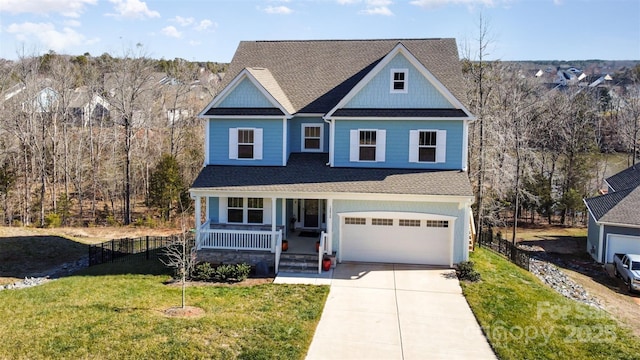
(322, 249)
(238, 239)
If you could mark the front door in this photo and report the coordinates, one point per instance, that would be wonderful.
(311, 213)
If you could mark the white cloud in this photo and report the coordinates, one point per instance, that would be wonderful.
(171, 31)
(348, 2)
(282, 10)
(72, 23)
(204, 25)
(49, 36)
(430, 4)
(182, 21)
(69, 8)
(194, 42)
(133, 9)
(377, 7)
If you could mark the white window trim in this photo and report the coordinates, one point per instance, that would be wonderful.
(257, 143)
(354, 145)
(406, 81)
(266, 211)
(441, 146)
(302, 145)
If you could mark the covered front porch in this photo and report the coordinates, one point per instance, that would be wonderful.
(254, 225)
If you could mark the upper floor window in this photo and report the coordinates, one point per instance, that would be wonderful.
(399, 78)
(245, 143)
(427, 146)
(312, 137)
(367, 145)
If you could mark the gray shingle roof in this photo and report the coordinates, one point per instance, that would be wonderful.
(315, 75)
(308, 173)
(625, 179)
(620, 207)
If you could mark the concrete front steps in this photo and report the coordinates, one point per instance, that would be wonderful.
(299, 263)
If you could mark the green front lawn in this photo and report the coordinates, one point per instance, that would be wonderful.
(524, 319)
(121, 317)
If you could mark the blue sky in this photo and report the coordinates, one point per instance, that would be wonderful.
(201, 30)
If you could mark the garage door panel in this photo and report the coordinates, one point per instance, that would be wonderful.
(397, 244)
(622, 244)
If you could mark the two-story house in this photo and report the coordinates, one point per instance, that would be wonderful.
(362, 142)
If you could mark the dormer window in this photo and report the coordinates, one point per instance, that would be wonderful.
(399, 78)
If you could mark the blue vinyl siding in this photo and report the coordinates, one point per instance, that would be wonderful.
(219, 141)
(397, 143)
(421, 93)
(246, 94)
(295, 133)
(448, 209)
(213, 209)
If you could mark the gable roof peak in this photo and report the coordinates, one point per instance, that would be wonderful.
(316, 74)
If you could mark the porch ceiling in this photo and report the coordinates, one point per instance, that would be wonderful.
(308, 173)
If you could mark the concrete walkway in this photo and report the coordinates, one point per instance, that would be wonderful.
(386, 311)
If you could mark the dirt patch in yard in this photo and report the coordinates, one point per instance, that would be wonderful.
(566, 248)
(189, 312)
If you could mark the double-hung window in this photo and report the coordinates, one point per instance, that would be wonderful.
(427, 146)
(235, 210)
(367, 145)
(245, 210)
(312, 137)
(245, 143)
(255, 210)
(399, 80)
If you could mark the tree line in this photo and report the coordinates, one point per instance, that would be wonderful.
(83, 138)
(538, 149)
(108, 140)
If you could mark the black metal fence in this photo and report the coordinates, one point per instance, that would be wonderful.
(148, 247)
(503, 247)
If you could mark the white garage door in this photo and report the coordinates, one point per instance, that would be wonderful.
(396, 238)
(622, 244)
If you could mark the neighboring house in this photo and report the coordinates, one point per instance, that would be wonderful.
(85, 106)
(614, 218)
(363, 142)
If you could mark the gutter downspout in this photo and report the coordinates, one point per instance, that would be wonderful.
(331, 141)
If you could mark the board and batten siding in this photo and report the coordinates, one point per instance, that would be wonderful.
(461, 230)
(246, 94)
(271, 141)
(420, 92)
(397, 143)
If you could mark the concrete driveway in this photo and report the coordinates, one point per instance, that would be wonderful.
(387, 311)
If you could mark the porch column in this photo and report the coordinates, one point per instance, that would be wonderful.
(198, 216)
(285, 221)
(273, 223)
(329, 211)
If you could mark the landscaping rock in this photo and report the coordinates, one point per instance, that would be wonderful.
(61, 270)
(559, 281)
